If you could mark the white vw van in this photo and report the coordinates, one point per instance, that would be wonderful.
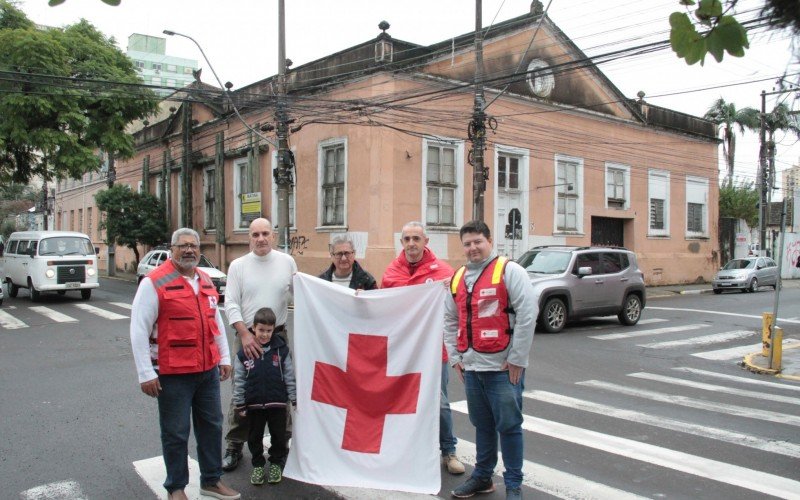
(44, 261)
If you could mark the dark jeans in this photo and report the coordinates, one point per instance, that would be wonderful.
(495, 409)
(447, 441)
(182, 396)
(275, 419)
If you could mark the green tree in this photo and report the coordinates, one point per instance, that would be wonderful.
(780, 119)
(739, 201)
(710, 26)
(64, 94)
(131, 218)
(725, 115)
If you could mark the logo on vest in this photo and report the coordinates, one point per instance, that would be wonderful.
(488, 292)
(490, 334)
(212, 302)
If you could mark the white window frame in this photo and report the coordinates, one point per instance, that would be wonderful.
(209, 222)
(626, 184)
(697, 193)
(292, 198)
(321, 147)
(654, 178)
(458, 195)
(159, 182)
(577, 192)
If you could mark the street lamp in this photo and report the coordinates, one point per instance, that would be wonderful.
(221, 86)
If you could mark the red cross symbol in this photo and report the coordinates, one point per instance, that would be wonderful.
(365, 391)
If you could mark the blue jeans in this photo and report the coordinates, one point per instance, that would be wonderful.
(447, 441)
(181, 395)
(495, 408)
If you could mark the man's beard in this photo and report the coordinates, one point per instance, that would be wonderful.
(187, 264)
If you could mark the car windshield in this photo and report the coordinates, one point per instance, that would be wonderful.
(204, 262)
(740, 264)
(526, 258)
(549, 262)
(66, 245)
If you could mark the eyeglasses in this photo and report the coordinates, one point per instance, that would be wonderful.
(186, 246)
(339, 255)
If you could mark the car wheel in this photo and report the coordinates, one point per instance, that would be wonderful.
(36, 295)
(86, 293)
(12, 288)
(631, 311)
(554, 315)
(717, 291)
(753, 285)
(139, 279)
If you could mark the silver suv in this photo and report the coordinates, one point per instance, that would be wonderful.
(574, 282)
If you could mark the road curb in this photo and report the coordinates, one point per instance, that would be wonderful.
(749, 365)
(695, 292)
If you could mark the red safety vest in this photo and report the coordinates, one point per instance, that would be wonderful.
(483, 322)
(186, 322)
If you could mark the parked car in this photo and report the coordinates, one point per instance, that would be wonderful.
(50, 261)
(746, 275)
(156, 257)
(574, 282)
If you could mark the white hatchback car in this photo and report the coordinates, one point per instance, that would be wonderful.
(155, 258)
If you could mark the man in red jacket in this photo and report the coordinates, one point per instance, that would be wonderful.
(417, 264)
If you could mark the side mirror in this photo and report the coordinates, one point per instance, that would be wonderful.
(97, 250)
(584, 271)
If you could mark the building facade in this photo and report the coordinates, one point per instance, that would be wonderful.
(150, 59)
(380, 137)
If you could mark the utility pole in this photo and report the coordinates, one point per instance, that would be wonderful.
(112, 176)
(477, 127)
(762, 176)
(283, 172)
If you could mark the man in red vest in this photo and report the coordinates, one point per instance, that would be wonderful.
(414, 265)
(181, 354)
(489, 324)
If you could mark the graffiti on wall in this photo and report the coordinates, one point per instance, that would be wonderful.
(298, 244)
(793, 254)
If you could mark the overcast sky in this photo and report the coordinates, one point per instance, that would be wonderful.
(240, 39)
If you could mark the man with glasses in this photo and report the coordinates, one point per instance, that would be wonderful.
(417, 264)
(181, 355)
(261, 278)
(344, 270)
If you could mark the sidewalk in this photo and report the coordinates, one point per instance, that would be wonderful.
(755, 362)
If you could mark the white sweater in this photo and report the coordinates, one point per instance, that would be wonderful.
(255, 282)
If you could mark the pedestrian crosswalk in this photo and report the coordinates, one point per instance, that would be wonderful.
(15, 318)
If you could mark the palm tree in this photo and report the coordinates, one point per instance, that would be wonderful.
(780, 119)
(726, 115)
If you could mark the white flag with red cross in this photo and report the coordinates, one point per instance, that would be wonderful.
(368, 369)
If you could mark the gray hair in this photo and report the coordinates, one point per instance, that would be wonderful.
(340, 240)
(184, 231)
(414, 223)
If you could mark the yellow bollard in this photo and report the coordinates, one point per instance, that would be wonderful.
(766, 323)
(777, 349)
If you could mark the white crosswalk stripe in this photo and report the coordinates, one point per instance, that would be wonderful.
(706, 431)
(742, 380)
(650, 321)
(700, 341)
(735, 410)
(100, 312)
(758, 481)
(53, 315)
(645, 333)
(716, 388)
(123, 305)
(62, 490)
(737, 352)
(9, 322)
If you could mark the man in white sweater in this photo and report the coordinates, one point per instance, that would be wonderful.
(262, 278)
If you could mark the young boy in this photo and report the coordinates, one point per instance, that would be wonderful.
(261, 391)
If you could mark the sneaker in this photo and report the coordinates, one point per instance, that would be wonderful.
(231, 459)
(275, 474)
(453, 464)
(513, 494)
(258, 476)
(473, 485)
(220, 491)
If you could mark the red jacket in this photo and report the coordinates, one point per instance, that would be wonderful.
(483, 322)
(402, 273)
(186, 322)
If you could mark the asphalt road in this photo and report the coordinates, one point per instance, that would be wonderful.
(661, 409)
